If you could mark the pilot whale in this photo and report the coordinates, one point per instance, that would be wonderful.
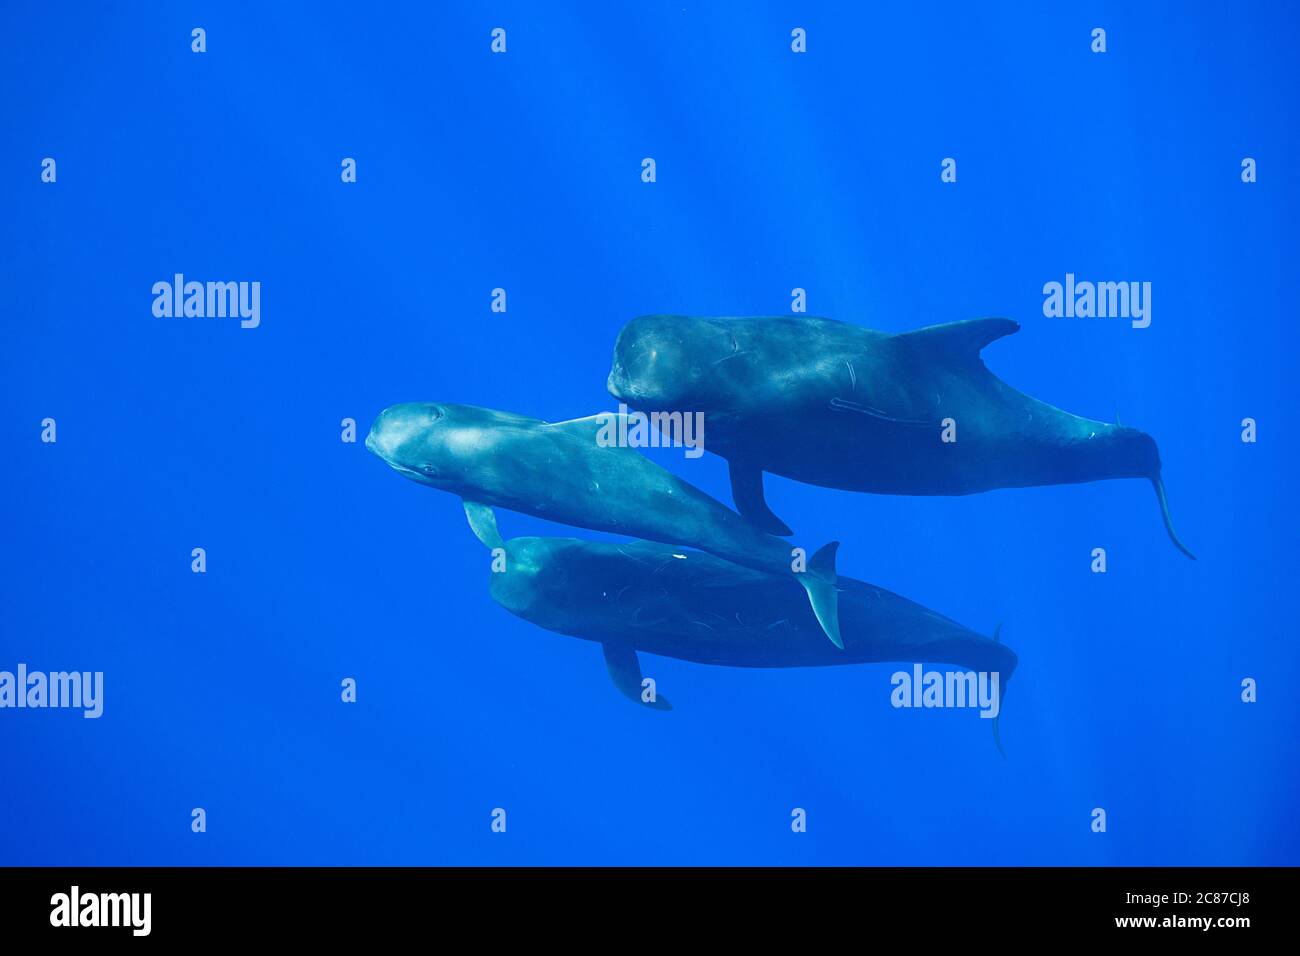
(640, 596)
(563, 472)
(847, 407)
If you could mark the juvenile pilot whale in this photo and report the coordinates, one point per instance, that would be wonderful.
(842, 406)
(561, 472)
(674, 602)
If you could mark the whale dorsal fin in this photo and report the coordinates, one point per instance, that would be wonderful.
(588, 428)
(964, 339)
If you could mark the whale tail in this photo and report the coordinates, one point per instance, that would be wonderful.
(819, 581)
(1159, 486)
(1002, 693)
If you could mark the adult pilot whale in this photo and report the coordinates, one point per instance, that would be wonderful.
(563, 472)
(638, 596)
(838, 405)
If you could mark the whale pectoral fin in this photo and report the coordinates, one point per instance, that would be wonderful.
(747, 493)
(625, 671)
(962, 339)
(483, 522)
(819, 581)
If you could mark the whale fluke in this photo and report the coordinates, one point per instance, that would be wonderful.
(819, 582)
(1158, 483)
(1002, 696)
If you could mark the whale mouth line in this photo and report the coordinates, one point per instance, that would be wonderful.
(622, 390)
(375, 449)
(404, 471)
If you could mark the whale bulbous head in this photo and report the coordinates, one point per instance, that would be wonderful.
(665, 361)
(413, 439)
(535, 579)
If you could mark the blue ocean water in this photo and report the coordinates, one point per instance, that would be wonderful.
(522, 171)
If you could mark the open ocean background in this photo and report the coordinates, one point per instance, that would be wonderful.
(522, 171)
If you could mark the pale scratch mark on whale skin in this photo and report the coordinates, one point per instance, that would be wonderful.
(844, 405)
(728, 358)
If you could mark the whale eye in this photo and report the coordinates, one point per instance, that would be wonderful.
(428, 470)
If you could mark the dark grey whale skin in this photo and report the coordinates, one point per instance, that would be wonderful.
(841, 406)
(692, 606)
